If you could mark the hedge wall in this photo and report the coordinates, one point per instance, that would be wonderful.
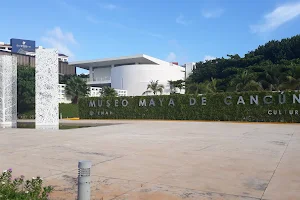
(67, 111)
(213, 108)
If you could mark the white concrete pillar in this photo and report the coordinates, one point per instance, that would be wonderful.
(91, 73)
(8, 91)
(46, 92)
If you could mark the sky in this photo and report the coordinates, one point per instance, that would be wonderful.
(173, 30)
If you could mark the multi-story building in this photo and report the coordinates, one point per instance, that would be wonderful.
(24, 50)
(189, 67)
(26, 47)
(131, 73)
(5, 47)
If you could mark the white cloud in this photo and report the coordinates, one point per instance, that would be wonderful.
(277, 17)
(181, 20)
(108, 6)
(208, 57)
(212, 13)
(60, 40)
(171, 57)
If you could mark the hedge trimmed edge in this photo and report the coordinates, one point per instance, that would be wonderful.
(249, 106)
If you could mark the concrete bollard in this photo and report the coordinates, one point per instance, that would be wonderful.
(84, 180)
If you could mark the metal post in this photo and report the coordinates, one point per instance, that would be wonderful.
(84, 180)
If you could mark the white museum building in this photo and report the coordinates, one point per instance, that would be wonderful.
(132, 73)
(94, 92)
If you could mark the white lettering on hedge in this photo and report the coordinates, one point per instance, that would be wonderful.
(240, 100)
(152, 102)
(203, 101)
(116, 103)
(161, 101)
(99, 103)
(92, 104)
(226, 100)
(124, 103)
(269, 112)
(108, 103)
(295, 98)
(102, 113)
(283, 112)
(192, 101)
(142, 103)
(171, 102)
(282, 98)
(254, 100)
(265, 99)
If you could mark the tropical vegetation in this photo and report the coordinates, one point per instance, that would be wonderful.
(76, 87)
(108, 92)
(274, 66)
(26, 88)
(154, 87)
(176, 85)
(19, 188)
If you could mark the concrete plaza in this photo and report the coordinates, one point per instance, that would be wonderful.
(156, 160)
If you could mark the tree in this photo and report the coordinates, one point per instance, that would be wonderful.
(245, 81)
(211, 86)
(154, 87)
(293, 80)
(108, 92)
(172, 86)
(267, 64)
(63, 78)
(76, 88)
(180, 84)
(26, 88)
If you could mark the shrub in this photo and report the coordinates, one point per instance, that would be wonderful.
(68, 110)
(21, 189)
(215, 108)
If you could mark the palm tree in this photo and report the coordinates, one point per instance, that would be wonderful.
(211, 86)
(192, 88)
(180, 84)
(172, 86)
(271, 78)
(75, 88)
(108, 92)
(293, 80)
(245, 81)
(154, 87)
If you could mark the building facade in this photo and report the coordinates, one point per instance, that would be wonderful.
(26, 47)
(131, 73)
(94, 92)
(27, 60)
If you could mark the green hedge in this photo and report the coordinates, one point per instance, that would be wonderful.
(215, 108)
(67, 111)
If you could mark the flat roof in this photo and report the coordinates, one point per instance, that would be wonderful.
(140, 58)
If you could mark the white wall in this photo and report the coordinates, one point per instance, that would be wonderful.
(135, 78)
(189, 69)
(102, 73)
(94, 92)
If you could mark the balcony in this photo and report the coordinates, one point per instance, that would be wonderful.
(100, 80)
